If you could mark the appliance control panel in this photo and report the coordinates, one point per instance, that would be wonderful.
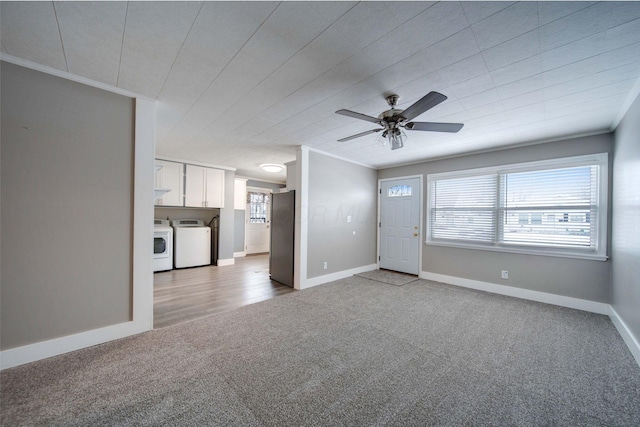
(187, 223)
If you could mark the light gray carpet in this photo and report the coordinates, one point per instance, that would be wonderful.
(388, 277)
(352, 352)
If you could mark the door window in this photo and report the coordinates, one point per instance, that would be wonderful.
(399, 191)
(258, 207)
(159, 245)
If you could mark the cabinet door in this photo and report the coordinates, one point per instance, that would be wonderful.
(170, 176)
(214, 188)
(194, 187)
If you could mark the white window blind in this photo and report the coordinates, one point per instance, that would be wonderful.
(553, 207)
(556, 207)
(464, 208)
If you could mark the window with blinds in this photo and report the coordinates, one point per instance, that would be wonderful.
(553, 207)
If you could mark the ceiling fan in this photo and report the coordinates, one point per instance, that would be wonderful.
(394, 120)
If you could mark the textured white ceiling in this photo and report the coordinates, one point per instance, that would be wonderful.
(239, 83)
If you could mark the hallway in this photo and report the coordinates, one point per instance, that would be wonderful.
(190, 293)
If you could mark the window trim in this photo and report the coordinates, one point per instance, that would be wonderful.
(599, 254)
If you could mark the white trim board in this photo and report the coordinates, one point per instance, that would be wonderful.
(194, 163)
(239, 254)
(248, 178)
(70, 76)
(225, 262)
(626, 334)
(320, 280)
(563, 301)
(143, 214)
(57, 346)
(324, 153)
(301, 214)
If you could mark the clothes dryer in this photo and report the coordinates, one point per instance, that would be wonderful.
(162, 245)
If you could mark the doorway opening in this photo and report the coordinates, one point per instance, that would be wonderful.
(400, 225)
(258, 220)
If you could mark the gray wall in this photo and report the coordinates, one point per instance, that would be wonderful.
(227, 218)
(337, 189)
(625, 254)
(576, 278)
(172, 213)
(67, 207)
(238, 230)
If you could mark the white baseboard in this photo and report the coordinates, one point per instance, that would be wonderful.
(570, 302)
(239, 254)
(626, 334)
(225, 262)
(580, 304)
(45, 349)
(315, 281)
(42, 350)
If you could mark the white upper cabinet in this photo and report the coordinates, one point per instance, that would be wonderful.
(204, 187)
(169, 176)
(214, 191)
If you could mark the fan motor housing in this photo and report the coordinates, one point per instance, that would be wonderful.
(392, 115)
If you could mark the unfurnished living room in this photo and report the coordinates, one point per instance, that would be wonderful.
(320, 213)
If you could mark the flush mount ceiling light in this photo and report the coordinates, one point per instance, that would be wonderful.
(272, 167)
(393, 121)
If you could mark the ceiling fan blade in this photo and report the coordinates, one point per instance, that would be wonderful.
(358, 116)
(358, 135)
(428, 101)
(434, 127)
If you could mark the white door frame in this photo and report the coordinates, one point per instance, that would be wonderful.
(247, 214)
(420, 226)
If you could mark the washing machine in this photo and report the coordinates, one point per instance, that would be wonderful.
(162, 245)
(191, 243)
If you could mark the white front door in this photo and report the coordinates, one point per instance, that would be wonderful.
(258, 220)
(400, 224)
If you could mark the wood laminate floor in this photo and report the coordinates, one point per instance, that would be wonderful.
(186, 294)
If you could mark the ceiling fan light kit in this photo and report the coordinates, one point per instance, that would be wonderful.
(395, 137)
(394, 120)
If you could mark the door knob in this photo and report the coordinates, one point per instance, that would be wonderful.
(415, 234)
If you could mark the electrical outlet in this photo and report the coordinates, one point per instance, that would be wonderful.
(505, 274)
(325, 265)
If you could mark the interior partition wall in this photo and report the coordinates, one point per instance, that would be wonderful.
(77, 211)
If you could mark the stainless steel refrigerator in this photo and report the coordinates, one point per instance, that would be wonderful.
(282, 241)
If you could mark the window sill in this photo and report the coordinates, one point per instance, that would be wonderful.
(522, 251)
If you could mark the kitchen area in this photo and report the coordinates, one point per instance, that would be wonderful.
(212, 241)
